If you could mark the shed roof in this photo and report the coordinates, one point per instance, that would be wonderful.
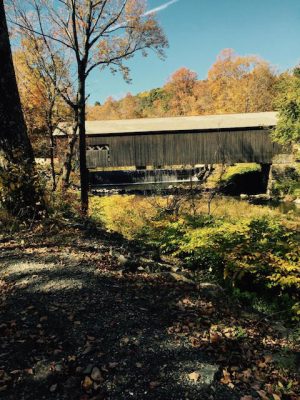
(173, 124)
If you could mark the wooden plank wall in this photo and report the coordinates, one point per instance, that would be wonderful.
(188, 148)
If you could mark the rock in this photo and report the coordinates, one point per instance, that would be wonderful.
(211, 289)
(244, 196)
(205, 374)
(181, 278)
(208, 373)
(259, 198)
(96, 374)
(122, 260)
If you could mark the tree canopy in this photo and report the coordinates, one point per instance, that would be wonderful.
(288, 106)
(234, 84)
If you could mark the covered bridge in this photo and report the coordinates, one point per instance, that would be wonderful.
(159, 142)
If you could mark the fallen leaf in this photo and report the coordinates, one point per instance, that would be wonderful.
(87, 383)
(276, 396)
(263, 394)
(226, 377)
(194, 376)
(215, 337)
(29, 371)
(124, 340)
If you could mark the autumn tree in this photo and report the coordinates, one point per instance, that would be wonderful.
(95, 33)
(287, 131)
(43, 107)
(180, 88)
(154, 103)
(235, 84)
(19, 193)
(204, 101)
(109, 110)
(32, 94)
(241, 84)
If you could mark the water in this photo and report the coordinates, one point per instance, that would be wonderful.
(286, 207)
(109, 179)
(163, 182)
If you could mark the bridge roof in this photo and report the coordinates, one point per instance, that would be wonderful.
(175, 124)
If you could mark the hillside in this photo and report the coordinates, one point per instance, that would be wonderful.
(234, 84)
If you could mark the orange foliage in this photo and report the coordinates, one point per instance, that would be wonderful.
(234, 84)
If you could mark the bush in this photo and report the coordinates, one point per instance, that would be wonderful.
(286, 181)
(249, 247)
(127, 215)
(22, 191)
(259, 253)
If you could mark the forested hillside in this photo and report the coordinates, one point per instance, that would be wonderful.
(234, 84)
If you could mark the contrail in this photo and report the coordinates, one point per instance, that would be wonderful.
(160, 8)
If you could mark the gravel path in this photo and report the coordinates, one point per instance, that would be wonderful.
(74, 326)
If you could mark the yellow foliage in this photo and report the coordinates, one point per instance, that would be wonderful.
(126, 215)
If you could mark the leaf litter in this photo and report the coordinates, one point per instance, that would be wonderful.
(74, 324)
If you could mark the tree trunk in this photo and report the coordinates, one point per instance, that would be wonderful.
(49, 123)
(14, 143)
(67, 166)
(84, 183)
(18, 180)
(52, 164)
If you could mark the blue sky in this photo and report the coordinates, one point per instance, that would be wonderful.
(198, 30)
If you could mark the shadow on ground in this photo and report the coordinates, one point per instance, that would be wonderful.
(69, 316)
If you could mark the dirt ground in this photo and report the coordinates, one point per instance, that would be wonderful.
(75, 325)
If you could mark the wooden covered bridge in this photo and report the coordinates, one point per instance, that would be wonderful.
(160, 142)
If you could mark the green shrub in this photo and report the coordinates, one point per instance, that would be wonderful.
(249, 247)
(286, 181)
(22, 191)
(240, 169)
(254, 253)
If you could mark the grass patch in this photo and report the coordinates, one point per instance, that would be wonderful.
(240, 169)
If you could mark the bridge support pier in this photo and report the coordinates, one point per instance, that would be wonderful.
(265, 176)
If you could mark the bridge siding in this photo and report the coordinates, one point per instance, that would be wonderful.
(177, 148)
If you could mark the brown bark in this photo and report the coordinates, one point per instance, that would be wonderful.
(19, 190)
(84, 180)
(67, 165)
(14, 143)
